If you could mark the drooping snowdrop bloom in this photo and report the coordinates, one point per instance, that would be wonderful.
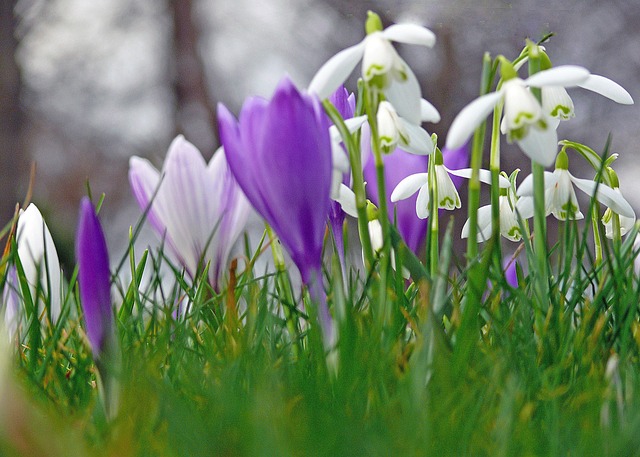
(41, 266)
(448, 197)
(197, 208)
(524, 118)
(560, 196)
(509, 226)
(280, 153)
(394, 130)
(626, 223)
(94, 279)
(381, 65)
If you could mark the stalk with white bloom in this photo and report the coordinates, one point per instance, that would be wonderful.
(382, 67)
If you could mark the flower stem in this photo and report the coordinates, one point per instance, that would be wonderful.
(433, 219)
(539, 215)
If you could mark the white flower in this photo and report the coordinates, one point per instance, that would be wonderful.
(379, 60)
(626, 223)
(448, 197)
(521, 112)
(557, 103)
(560, 197)
(509, 226)
(39, 260)
(394, 130)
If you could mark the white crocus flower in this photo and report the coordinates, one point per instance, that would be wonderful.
(394, 130)
(448, 197)
(524, 119)
(509, 226)
(39, 260)
(560, 196)
(380, 63)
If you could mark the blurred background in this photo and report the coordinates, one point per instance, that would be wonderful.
(84, 85)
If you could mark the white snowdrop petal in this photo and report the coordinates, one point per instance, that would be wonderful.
(422, 203)
(420, 142)
(428, 112)
(540, 145)
(563, 75)
(605, 195)
(608, 88)
(526, 188)
(485, 176)
(335, 71)
(405, 94)
(469, 118)
(409, 186)
(347, 200)
(410, 34)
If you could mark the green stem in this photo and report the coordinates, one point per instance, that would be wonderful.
(494, 167)
(433, 216)
(539, 207)
(597, 239)
(355, 162)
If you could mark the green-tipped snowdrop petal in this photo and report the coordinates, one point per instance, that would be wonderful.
(448, 197)
(563, 75)
(410, 34)
(336, 70)
(469, 118)
(419, 140)
(605, 195)
(409, 186)
(404, 94)
(608, 88)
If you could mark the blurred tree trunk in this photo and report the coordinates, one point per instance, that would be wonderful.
(12, 146)
(195, 113)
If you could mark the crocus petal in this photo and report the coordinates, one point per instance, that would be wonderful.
(336, 70)
(420, 142)
(608, 88)
(563, 75)
(39, 258)
(94, 278)
(540, 145)
(485, 176)
(469, 118)
(410, 34)
(409, 186)
(144, 180)
(428, 112)
(605, 195)
(405, 96)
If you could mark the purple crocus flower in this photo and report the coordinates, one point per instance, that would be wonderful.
(198, 208)
(397, 166)
(280, 153)
(345, 103)
(94, 278)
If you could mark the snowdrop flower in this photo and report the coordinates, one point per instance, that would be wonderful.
(560, 196)
(524, 118)
(626, 223)
(381, 66)
(394, 130)
(197, 208)
(509, 226)
(448, 197)
(39, 260)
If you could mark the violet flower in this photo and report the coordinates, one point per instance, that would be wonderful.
(345, 103)
(280, 153)
(94, 278)
(197, 208)
(397, 166)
